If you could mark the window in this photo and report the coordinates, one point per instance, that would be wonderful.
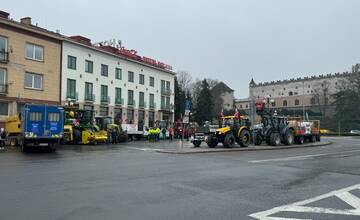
(104, 93)
(71, 89)
(162, 85)
(35, 116)
(4, 108)
(118, 73)
(284, 103)
(118, 96)
(130, 116)
(167, 102)
(33, 81)
(141, 79)
(34, 52)
(104, 70)
(72, 62)
(151, 119)
(152, 81)
(104, 111)
(297, 102)
(3, 48)
(168, 85)
(163, 102)
(89, 92)
(118, 116)
(54, 117)
(131, 76)
(312, 101)
(247, 106)
(240, 106)
(130, 97)
(89, 66)
(152, 100)
(290, 93)
(2, 80)
(273, 104)
(141, 99)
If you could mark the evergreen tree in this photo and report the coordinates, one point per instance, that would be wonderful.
(203, 104)
(179, 100)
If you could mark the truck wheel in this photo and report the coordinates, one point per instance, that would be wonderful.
(257, 139)
(196, 143)
(289, 137)
(300, 140)
(244, 139)
(275, 139)
(229, 140)
(212, 141)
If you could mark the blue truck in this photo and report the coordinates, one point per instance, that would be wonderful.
(36, 126)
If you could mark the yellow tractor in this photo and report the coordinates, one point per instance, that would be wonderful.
(232, 130)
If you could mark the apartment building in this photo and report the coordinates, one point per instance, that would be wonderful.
(30, 65)
(116, 82)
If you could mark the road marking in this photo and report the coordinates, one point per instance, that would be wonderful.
(303, 157)
(299, 207)
(144, 149)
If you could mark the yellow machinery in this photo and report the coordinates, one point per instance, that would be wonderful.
(234, 129)
(13, 130)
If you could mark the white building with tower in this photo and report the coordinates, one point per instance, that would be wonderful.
(116, 82)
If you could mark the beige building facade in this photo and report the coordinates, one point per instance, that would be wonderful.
(30, 66)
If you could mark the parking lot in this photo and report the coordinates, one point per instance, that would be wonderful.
(132, 180)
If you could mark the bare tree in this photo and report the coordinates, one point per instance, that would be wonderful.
(184, 79)
(321, 95)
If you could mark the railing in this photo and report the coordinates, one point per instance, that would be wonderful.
(119, 101)
(165, 107)
(89, 97)
(152, 105)
(165, 91)
(3, 88)
(131, 103)
(105, 99)
(4, 56)
(72, 96)
(142, 104)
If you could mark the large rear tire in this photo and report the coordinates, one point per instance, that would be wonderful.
(229, 140)
(289, 137)
(275, 139)
(196, 143)
(257, 139)
(244, 139)
(212, 141)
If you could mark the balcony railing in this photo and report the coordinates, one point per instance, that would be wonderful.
(131, 103)
(72, 96)
(152, 105)
(142, 104)
(3, 88)
(4, 56)
(165, 107)
(165, 91)
(119, 101)
(105, 99)
(89, 97)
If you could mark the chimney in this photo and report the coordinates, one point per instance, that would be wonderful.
(26, 20)
(4, 14)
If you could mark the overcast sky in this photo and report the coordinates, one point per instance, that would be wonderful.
(229, 40)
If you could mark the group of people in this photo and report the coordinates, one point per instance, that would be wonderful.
(160, 133)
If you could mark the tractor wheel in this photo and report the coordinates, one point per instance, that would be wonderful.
(196, 143)
(257, 139)
(289, 137)
(244, 139)
(212, 141)
(275, 139)
(229, 140)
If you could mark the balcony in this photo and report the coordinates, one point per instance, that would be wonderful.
(105, 99)
(131, 103)
(165, 91)
(4, 56)
(152, 105)
(142, 104)
(165, 107)
(89, 98)
(71, 96)
(119, 101)
(3, 88)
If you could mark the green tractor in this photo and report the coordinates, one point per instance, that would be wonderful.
(115, 132)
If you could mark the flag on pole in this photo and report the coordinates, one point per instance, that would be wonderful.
(237, 113)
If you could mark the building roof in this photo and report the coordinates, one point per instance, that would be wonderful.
(221, 86)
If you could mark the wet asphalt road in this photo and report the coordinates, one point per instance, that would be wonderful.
(130, 181)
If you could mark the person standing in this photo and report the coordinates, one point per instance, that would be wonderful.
(171, 133)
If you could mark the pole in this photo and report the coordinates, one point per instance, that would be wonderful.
(303, 107)
(339, 127)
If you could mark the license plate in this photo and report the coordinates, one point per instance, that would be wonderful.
(43, 144)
